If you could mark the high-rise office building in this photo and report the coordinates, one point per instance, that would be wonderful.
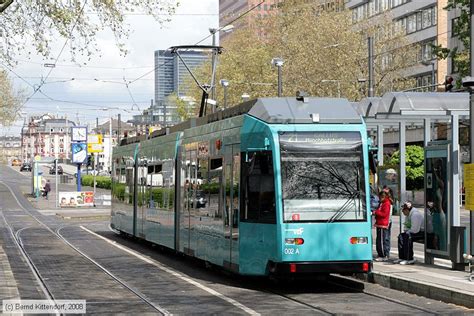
(171, 76)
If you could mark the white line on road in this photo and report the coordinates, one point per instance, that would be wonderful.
(184, 278)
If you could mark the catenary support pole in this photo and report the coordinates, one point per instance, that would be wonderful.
(370, 44)
(380, 144)
(280, 82)
(471, 128)
(403, 174)
(56, 182)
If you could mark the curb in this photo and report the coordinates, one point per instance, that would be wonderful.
(419, 288)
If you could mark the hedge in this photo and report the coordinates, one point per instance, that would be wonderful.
(101, 181)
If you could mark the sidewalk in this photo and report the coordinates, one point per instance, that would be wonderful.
(436, 281)
(48, 207)
(432, 281)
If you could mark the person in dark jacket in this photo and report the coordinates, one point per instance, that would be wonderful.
(47, 188)
(382, 222)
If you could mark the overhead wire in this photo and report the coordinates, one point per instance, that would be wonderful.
(59, 55)
(202, 40)
(125, 83)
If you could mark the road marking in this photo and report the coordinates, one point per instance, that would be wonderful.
(186, 279)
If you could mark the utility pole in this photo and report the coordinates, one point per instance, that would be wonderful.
(370, 44)
(110, 144)
(471, 125)
(119, 125)
(66, 145)
(214, 60)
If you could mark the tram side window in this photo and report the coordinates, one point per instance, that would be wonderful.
(258, 191)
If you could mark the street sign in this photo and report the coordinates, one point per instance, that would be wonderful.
(469, 185)
(94, 143)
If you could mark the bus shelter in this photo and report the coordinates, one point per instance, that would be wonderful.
(399, 110)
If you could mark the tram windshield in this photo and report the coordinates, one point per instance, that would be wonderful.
(322, 177)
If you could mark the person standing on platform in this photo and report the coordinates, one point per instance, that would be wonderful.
(47, 188)
(382, 222)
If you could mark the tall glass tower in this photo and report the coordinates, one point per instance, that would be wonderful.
(170, 76)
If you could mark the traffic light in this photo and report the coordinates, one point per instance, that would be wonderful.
(448, 83)
(90, 161)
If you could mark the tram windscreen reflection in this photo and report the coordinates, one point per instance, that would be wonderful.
(323, 177)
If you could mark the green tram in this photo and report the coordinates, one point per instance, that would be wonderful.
(271, 186)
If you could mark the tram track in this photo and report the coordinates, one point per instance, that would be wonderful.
(306, 299)
(44, 288)
(36, 270)
(344, 282)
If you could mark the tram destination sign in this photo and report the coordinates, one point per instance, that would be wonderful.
(469, 185)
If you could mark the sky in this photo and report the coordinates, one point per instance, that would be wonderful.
(101, 83)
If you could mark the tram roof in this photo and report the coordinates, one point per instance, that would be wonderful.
(289, 110)
(304, 111)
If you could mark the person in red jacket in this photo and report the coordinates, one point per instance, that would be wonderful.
(382, 222)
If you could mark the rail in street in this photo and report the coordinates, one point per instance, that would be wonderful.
(81, 259)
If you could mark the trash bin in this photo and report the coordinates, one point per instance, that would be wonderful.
(64, 178)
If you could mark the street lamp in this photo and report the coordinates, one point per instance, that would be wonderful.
(338, 85)
(427, 63)
(224, 83)
(278, 62)
(213, 31)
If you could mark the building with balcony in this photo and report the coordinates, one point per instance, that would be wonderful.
(46, 136)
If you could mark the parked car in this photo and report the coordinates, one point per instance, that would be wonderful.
(85, 172)
(26, 166)
(200, 199)
(52, 170)
(16, 162)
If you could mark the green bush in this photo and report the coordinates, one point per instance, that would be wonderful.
(415, 157)
(118, 191)
(101, 181)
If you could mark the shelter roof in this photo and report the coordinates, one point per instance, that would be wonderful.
(406, 102)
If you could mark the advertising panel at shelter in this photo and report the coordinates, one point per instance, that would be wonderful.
(76, 199)
(79, 152)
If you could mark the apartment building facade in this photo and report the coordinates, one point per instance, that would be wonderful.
(46, 136)
(425, 22)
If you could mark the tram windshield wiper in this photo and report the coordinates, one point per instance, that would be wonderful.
(346, 207)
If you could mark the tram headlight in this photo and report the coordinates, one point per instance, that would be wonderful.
(359, 240)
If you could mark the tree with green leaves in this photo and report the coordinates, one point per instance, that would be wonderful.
(39, 24)
(415, 172)
(459, 54)
(11, 100)
(325, 55)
